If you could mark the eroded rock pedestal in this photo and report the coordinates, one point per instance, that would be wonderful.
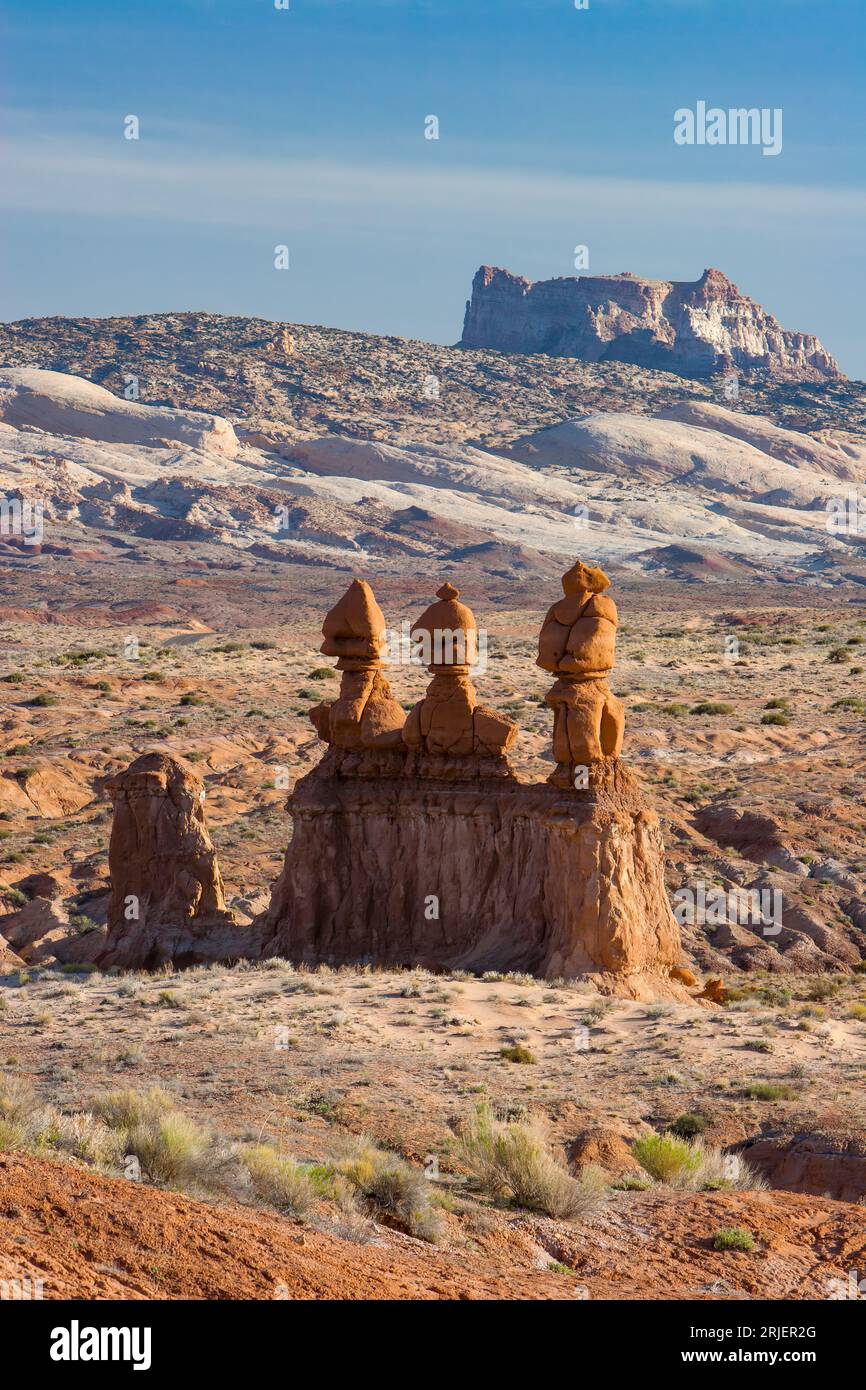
(477, 874)
(430, 851)
(167, 901)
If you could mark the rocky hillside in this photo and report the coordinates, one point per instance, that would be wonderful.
(694, 328)
(697, 489)
(302, 379)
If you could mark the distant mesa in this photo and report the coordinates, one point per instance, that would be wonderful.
(694, 328)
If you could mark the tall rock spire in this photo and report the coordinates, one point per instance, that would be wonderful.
(577, 644)
(449, 721)
(365, 714)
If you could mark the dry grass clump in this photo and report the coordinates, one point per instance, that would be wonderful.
(89, 1138)
(396, 1193)
(22, 1117)
(280, 1181)
(171, 1148)
(513, 1160)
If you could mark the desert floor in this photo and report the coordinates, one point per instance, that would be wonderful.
(225, 677)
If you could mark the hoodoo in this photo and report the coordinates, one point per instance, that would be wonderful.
(427, 849)
(167, 901)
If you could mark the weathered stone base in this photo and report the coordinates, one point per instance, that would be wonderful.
(525, 878)
(202, 940)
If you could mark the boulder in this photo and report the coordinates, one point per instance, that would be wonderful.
(9, 961)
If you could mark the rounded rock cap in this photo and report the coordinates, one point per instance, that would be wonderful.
(449, 619)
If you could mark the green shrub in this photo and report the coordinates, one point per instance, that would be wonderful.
(666, 1158)
(688, 1126)
(712, 707)
(768, 1090)
(81, 924)
(733, 1238)
(282, 1182)
(397, 1193)
(517, 1053)
(171, 1148)
(22, 1118)
(43, 700)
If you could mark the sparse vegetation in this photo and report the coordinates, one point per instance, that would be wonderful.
(513, 1160)
(516, 1052)
(666, 1158)
(769, 1090)
(733, 1238)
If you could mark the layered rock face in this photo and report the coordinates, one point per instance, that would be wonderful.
(693, 328)
(477, 875)
(167, 901)
(432, 852)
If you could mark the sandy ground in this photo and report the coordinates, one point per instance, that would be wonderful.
(301, 1058)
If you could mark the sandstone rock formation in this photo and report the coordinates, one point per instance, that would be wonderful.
(815, 1163)
(9, 961)
(167, 901)
(694, 328)
(69, 405)
(40, 933)
(449, 722)
(438, 855)
(478, 875)
(577, 643)
(365, 715)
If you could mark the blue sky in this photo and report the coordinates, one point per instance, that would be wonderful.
(306, 127)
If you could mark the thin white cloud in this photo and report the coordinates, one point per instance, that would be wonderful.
(84, 176)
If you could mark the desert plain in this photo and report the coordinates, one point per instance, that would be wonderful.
(165, 608)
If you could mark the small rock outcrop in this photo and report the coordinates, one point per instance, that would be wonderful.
(167, 901)
(695, 328)
(9, 961)
(32, 398)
